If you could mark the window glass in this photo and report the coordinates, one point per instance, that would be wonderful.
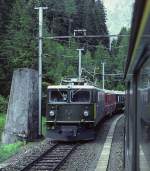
(58, 96)
(144, 116)
(80, 96)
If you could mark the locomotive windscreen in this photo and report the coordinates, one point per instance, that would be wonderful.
(80, 96)
(58, 96)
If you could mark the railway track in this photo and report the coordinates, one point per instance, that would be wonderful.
(52, 159)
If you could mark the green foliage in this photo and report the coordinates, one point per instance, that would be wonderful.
(43, 126)
(122, 52)
(18, 46)
(3, 104)
(2, 120)
(119, 53)
(5, 7)
(70, 7)
(2, 123)
(8, 150)
(59, 61)
(120, 87)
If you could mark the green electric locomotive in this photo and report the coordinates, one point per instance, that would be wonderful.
(73, 111)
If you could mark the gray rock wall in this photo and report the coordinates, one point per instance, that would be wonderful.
(22, 113)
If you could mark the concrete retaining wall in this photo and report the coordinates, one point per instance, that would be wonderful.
(22, 113)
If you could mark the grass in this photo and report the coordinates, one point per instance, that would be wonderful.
(8, 150)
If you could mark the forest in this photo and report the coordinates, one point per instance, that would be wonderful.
(19, 43)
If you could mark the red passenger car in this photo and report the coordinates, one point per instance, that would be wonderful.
(109, 102)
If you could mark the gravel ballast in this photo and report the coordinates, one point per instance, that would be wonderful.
(86, 156)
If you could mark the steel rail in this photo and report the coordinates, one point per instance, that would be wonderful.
(65, 157)
(52, 159)
(38, 158)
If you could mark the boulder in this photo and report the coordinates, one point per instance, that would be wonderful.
(22, 113)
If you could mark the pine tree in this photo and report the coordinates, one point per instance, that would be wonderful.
(122, 51)
(92, 17)
(20, 41)
(19, 46)
(101, 27)
(5, 8)
(119, 52)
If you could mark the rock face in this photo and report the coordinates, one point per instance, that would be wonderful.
(22, 113)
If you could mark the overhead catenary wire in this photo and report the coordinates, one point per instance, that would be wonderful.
(87, 36)
(91, 45)
(63, 38)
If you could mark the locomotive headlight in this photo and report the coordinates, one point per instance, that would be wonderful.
(51, 113)
(86, 113)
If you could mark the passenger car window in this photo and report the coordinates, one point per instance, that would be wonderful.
(144, 116)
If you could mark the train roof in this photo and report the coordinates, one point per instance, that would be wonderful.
(114, 92)
(109, 91)
(72, 87)
(119, 92)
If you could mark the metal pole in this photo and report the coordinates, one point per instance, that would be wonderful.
(110, 42)
(103, 74)
(79, 67)
(40, 64)
(69, 31)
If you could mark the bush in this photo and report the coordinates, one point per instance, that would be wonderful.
(3, 104)
(2, 121)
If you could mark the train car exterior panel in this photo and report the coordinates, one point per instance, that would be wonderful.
(120, 101)
(137, 75)
(99, 107)
(109, 102)
(71, 112)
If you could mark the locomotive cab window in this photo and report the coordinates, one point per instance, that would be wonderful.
(58, 96)
(80, 96)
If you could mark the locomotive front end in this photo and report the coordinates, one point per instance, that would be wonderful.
(70, 113)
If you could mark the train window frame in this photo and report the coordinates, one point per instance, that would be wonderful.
(57, 102)
(79, 102)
